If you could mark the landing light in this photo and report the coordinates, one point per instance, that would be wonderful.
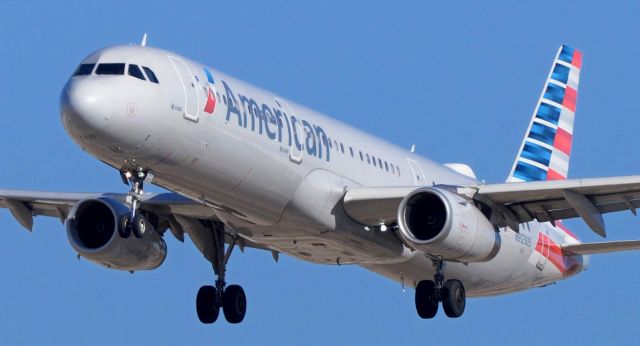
(383, 228)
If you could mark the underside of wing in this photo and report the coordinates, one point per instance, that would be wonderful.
(374, 205)
(562, 199)
(513, 203)
(179, 213)
(24, 205)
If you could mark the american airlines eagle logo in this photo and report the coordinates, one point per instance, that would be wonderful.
(210, 106)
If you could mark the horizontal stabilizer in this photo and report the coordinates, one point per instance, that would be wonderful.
(603, 247)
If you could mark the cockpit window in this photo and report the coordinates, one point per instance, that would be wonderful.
(110, 69)
(84, 69)
(135, 71)
(152, 76)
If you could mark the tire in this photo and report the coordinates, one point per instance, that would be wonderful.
(206, 304)
(454, 298)
(125, 227)
(140, 225)
(234, 304)
(426, 301)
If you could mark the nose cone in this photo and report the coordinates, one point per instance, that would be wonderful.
(85, 106)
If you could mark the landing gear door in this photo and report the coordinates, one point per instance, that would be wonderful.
(296, 131)
(190, 87)
(418, 174)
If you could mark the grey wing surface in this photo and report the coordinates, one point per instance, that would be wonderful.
(514, 203)
(176, 213)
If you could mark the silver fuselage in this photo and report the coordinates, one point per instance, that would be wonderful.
(275, 171)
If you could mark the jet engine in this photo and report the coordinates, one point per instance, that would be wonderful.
(443, 224)
(93, 231)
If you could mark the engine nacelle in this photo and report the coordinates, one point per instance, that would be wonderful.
(92, 230)
(443, 224)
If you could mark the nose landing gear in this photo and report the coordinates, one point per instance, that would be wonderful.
(430, 293)
(135, 222)
(232, 298)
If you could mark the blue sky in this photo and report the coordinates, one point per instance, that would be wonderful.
(458, 80)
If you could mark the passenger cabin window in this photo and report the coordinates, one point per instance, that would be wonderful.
(361, 156)
(84, 69)
(110, 69)
(351, 151)
(134, 71)
(150, 75)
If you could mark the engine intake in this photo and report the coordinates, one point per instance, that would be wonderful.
(92, 230)
(443, 224)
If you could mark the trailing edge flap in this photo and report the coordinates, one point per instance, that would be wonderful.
(597, 248)
(520, 202)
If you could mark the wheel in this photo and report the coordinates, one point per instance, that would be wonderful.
(426, 302)
(124, 229)
(453, 298)
(234, 304)
(206, 304)
(140, 225)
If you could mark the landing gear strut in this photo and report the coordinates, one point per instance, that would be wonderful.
(230, 298)
(134, 222)
(429, 293)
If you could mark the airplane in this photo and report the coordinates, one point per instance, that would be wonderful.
(250, 169)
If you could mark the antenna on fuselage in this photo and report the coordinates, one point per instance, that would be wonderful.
(144, 40)
(413, 148)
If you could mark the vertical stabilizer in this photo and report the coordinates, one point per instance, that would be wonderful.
(546, 148)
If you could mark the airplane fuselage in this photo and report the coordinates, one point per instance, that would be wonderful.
(276, 171)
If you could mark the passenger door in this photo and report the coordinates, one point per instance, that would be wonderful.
(418, 174)
(191, 105)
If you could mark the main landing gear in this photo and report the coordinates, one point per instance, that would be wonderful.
(135, 222)
(430, 293)
(230, 298)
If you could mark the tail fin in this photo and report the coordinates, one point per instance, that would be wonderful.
(545, 151)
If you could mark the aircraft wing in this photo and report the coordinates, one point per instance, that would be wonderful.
(177, 213)
(514, 203)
